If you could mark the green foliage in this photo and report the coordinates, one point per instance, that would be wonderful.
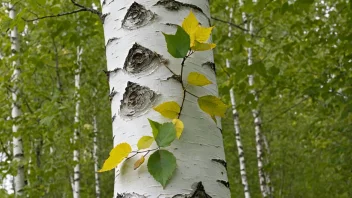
(161, 165)
(166, 134)
(178, 44)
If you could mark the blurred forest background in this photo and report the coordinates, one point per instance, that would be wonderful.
(302, 66)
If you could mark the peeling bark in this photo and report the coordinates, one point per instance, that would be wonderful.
(137, 16)
(136, 100)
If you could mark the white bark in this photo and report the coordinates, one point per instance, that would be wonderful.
(236, 121)
(201, 140)
(76, 170)
(16, 112)
(264, 188)
(95, 157)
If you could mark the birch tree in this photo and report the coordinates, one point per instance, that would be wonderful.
(76, 156)
(147, 71)
(237, 128)
(18, 154)
(263, 177)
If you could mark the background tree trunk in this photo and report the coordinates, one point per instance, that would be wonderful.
(237, 128)
(18, 154)
(76, 170)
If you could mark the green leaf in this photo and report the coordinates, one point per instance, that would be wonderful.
(166, 135)
(178, 44)
(161, 165)
(155, 127)
(212, 105)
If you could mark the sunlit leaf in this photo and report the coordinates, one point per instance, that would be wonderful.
(197, 79)
(117, 154)
(168, 109)
(212, 105)
(179, 127)
(203, 46)
(145, 142)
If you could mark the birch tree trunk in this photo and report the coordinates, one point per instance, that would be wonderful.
(139, 80)
(95, 157)
(16, 112)
(236, 121)
(264, 188)
(76, 170)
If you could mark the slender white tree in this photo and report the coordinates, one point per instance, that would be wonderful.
(76, 170)
(237, 129)
(95, 156)
(263, 177)
(18, 154)
(142, 74)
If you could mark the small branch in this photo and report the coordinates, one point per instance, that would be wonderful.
(87, 8)
(57, 15)
(139, 152)
(229, 23)
(82, 9)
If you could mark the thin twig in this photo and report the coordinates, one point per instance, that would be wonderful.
(57, 15)
(229, 23)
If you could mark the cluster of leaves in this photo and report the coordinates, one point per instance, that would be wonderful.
(162, 163)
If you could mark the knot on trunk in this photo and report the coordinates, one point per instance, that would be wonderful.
(137, 16)
(140, 59)
(136, 100)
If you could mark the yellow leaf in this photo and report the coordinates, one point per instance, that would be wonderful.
(197, 79)
(168, 109)
(202, 34)
(212, 105)
(139, 162)
(179, 127)
(190, 25)
(117, 154)
(202, 46)
(197, 33)
(145, 142)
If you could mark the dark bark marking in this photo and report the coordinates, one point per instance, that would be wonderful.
(113, 118)
(136, 100)
(199, 192)
(173, 5)
(112, 94)
(220, 161)
(137, 16)
(211, 65)
(107, 73)
(140, 59)
(103, 17)
(130, 195)
(225, 183)
(111, 40)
